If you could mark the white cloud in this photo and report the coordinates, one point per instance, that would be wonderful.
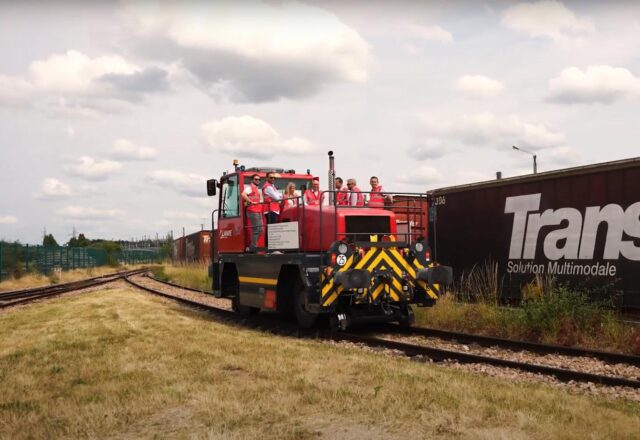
(252, 51)
(86, 213)
(488, 130)
(429, 149)
(548, 18)
(8, 220)
(433, 33)
(247, 136)
(193, 185)
(91, 169)
(596, 84)
(423, 175)
(54, 189)
(70, 132)
(479, 87)
(74, 82)
(124, 149)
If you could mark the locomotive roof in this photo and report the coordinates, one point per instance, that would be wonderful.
(564, 172)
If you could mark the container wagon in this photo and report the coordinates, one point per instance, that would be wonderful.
(193, 248)
(579, 224)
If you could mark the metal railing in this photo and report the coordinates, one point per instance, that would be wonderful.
(413, 206)
(410, 208)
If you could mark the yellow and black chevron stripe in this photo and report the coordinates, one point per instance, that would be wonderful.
(377, 258)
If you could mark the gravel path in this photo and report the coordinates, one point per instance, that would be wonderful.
(510, 374)
(586, 364)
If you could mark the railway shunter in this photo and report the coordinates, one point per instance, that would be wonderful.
(352, 264)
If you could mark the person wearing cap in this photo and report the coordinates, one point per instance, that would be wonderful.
(356, 198)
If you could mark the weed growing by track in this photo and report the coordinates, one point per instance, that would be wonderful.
(119, 363)
(549, 313)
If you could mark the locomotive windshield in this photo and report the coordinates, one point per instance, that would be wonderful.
(229, 197)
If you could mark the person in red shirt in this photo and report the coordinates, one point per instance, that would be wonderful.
(377, 197)
(252, 200)
(355, 194)
(342, 194)
(312, 196)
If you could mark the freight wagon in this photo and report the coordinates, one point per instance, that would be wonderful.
(580, 225)
(194, 247)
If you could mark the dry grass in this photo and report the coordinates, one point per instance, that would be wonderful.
(195, 275)
(121, 364)
(37, 279)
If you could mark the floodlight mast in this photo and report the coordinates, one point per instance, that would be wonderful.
(535, 158)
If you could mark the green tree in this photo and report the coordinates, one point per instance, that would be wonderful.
(49, 240)
(81, 241)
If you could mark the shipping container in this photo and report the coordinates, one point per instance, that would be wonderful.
(580, 225)
(177, 251)
(195, 247)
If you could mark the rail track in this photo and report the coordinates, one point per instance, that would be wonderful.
(416, 351)
(17, 297)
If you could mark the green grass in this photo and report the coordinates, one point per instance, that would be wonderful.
(118, 363)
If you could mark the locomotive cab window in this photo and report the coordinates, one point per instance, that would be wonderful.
(229, 197)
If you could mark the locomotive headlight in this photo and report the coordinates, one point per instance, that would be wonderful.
(343, 248)
(419, 247)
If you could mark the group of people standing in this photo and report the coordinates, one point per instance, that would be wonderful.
(268, 200)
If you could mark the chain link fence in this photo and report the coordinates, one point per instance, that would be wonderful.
(17, 259)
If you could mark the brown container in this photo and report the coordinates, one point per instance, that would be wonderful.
(580, 225)
(197, 247)
(177, 250)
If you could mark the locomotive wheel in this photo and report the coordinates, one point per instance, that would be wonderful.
(408, 318)
(245, 311)
(304, 318)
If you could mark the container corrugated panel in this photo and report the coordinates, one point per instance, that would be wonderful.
(198, 247)
(580, 225)
(177, 253)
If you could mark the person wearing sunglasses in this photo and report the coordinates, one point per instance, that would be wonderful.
(272, 198)
(253, 201)
(356, 198)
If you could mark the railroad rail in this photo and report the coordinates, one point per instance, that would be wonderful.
(16, 297)
(516, 345)
(410, 350)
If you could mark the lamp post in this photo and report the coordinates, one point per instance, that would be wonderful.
(535, 158)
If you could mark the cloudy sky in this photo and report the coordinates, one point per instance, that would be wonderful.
(112, 116)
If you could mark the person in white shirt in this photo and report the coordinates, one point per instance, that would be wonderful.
(272, 198)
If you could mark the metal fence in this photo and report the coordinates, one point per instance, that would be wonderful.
(17, 259)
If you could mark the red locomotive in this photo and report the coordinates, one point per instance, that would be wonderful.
(352, 263)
